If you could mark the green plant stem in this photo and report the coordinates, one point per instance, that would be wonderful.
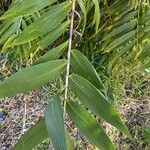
(69, 48)
(69, 54)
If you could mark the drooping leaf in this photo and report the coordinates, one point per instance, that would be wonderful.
(93, 99)
(84, 68)
(55, 124)
(83, 8)
(26, 7)
(53, 35)
(31, 78)
(32, 137)
(96, 14)
(54, 53)
(89, 126)
(45, 24)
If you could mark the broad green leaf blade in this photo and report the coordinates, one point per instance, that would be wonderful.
(93, 99)
(45, 24)
(54, 53)
(55, 124)
(33, 137)
(26, 7)
(89, 126)
(84, 68)
(53, 35)
(31, 78)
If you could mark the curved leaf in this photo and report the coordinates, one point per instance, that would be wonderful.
(89, 126)
(96, 102)
(96, 14)
(82, 6)
(31, 78)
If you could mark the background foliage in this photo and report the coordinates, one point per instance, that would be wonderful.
(110, 42)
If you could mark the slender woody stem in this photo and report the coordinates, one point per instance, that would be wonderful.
(69, 48)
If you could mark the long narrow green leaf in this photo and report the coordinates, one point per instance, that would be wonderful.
(128, 17)
(13, 28)
(130, 35)
(5, 26)
(26, 7)
(123, 28)
(37, 134)
(53, 35)
(54, 53)
(84, 68)
(33, 137)
(31, 78)
(121, 52)
(89, 126)
(55, 124)
(45, 24)
(96, 14)
(96, 102)
(145, 52)
(82, 6)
